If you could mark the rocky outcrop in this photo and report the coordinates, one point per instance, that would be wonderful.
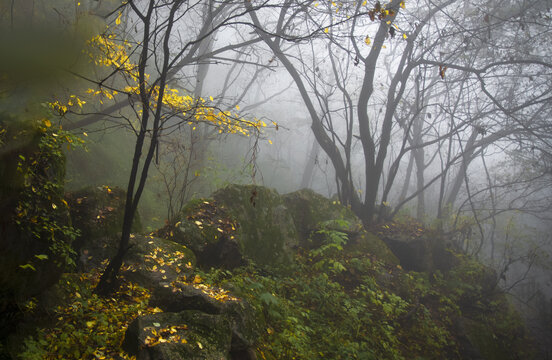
(210, 232)
(189, 334)
(416, 247)
(310, 210)
(192, 312)
(266, 234)
(255, 223)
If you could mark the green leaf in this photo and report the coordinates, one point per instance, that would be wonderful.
(268, 299)
(42, 257)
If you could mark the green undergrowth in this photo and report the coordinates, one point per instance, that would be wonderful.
(332, 303)
(337, 304)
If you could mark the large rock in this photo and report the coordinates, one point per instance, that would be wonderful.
(267, 232)
(181, 297)
(164, 267)
(310, 211)
(210, 232)
(414, 254)
(188, 334)
(367, 243)
(417, 248)
(232, 317)
(154, 263)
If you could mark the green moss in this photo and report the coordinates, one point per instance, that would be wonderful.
(309, 209)
(267, 233)
(366, 242)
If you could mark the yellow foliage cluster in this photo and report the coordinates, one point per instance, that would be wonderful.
(107, 51)
(104, 51)
(62, 108)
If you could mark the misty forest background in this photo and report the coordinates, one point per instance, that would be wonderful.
(438, 111)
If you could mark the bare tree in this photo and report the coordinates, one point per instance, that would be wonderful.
(432, 39)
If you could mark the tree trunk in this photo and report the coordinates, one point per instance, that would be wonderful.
(310, 165)
(406, 183)
(420, 168)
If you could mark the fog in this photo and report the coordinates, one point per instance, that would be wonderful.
(455, 130)
(437, 111)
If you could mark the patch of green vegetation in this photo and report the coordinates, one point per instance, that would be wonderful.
(36, 227)
(338, 304)
(313, 314)
(267, 233)
(41, 211)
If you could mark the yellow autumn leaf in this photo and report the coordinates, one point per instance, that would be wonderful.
(118, 20)
(47, 123)
(237, 107)
(367, 40)
(404, 36)
(402, 4)
(211, 98)
(326, 30)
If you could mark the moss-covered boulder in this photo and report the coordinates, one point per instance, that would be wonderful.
(210, 232)
(266, 231)
(180, 296)
(154, 262)
(313, 213)
(188, 334)
(368, 243)
(309, 210)
(416, 247)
